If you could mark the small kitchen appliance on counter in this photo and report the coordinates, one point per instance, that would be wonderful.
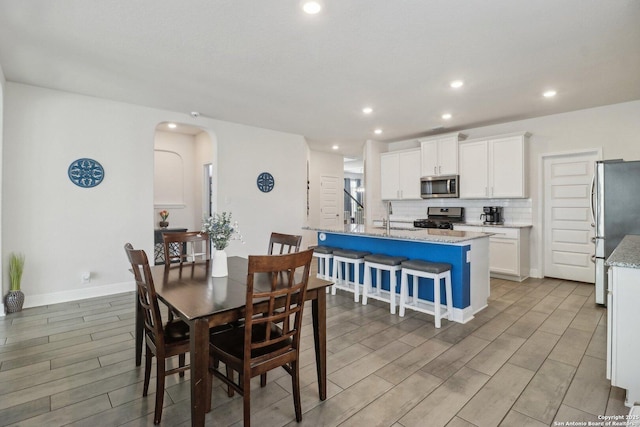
(442, 218)
(492, 215)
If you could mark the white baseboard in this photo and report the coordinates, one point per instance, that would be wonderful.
(77, 294)
(463, 315)
(534, 272)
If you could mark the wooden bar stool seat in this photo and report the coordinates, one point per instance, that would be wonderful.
(381, 263)
(428, 270)
(346, 258)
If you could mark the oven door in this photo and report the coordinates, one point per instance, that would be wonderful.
(439, 186)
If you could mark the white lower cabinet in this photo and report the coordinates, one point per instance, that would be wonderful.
(623, 318)
(508, 250)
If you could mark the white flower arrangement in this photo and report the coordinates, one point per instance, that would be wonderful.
(220, 230)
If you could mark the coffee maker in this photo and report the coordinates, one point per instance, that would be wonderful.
(492, 215)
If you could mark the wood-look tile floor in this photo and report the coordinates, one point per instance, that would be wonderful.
(536, 355)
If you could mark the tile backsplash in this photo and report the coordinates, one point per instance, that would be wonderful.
(515, 210)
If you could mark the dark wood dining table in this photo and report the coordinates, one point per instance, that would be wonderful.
(203, 302)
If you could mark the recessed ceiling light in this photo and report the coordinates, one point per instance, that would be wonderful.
(311, 7)
(446, 116)
(172, 125)
(549, 94)
(456, 84)
(367, 110)
(335, 147)
(377, 131)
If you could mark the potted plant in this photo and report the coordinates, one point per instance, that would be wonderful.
(15, 297)
(220, 231)
(164, 214)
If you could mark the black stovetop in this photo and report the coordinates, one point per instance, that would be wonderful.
(442, 218)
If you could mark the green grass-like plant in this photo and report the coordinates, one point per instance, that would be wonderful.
(16, 267)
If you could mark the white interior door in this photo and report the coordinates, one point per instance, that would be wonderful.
(567, 217)
(330, 201)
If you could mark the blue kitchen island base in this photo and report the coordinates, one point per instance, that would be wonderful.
(467, 252)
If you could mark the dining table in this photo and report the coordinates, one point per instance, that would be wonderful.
(203, 302)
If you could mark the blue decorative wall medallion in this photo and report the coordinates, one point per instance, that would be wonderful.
(86, 173)
(265, 182)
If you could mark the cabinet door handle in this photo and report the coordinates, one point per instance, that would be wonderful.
(435, 171)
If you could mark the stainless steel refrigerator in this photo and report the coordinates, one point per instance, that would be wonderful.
(616, 212)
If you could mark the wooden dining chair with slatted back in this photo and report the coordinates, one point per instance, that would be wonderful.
(162, 340)
(278, 283)
(284, 243)
(186, 246)
(280, 243)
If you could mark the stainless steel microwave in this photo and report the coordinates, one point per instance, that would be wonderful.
(439, 186)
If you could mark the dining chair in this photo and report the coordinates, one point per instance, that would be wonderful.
(185, 246)
(270, 339)
(162, 340)
(284, 243)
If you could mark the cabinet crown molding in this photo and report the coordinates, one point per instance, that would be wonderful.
(405, 150)
(461, 136)
(523, 134)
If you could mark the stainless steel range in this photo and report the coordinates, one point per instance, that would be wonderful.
(443, 218)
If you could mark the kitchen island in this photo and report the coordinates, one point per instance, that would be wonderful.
(623, 317)
(466, 251)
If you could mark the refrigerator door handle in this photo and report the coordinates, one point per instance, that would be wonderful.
(591, 204)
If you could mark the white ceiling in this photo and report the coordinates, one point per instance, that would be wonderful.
(266, 63)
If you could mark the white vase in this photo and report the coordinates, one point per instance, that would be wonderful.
(219, 263)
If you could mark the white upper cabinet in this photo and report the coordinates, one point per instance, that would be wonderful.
(494, 167)
(440, 155)
(474, 170)
(400, 175)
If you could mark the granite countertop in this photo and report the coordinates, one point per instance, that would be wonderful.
(396, 219)
(627, 253)
(428, 235)
(505, 225)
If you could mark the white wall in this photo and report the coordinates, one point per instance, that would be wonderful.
(65, 230)
(203, 155)
(614, 128)
(184, 176)
(2, 275)
(243, 153)
(321, 164)
(373, 206)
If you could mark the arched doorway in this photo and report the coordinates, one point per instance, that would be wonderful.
(184, 176)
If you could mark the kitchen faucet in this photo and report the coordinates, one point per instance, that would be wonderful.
(389, 212)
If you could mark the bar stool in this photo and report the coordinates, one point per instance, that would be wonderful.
(324, 255)
(428, 270)
(347, 257)
(381, 262)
